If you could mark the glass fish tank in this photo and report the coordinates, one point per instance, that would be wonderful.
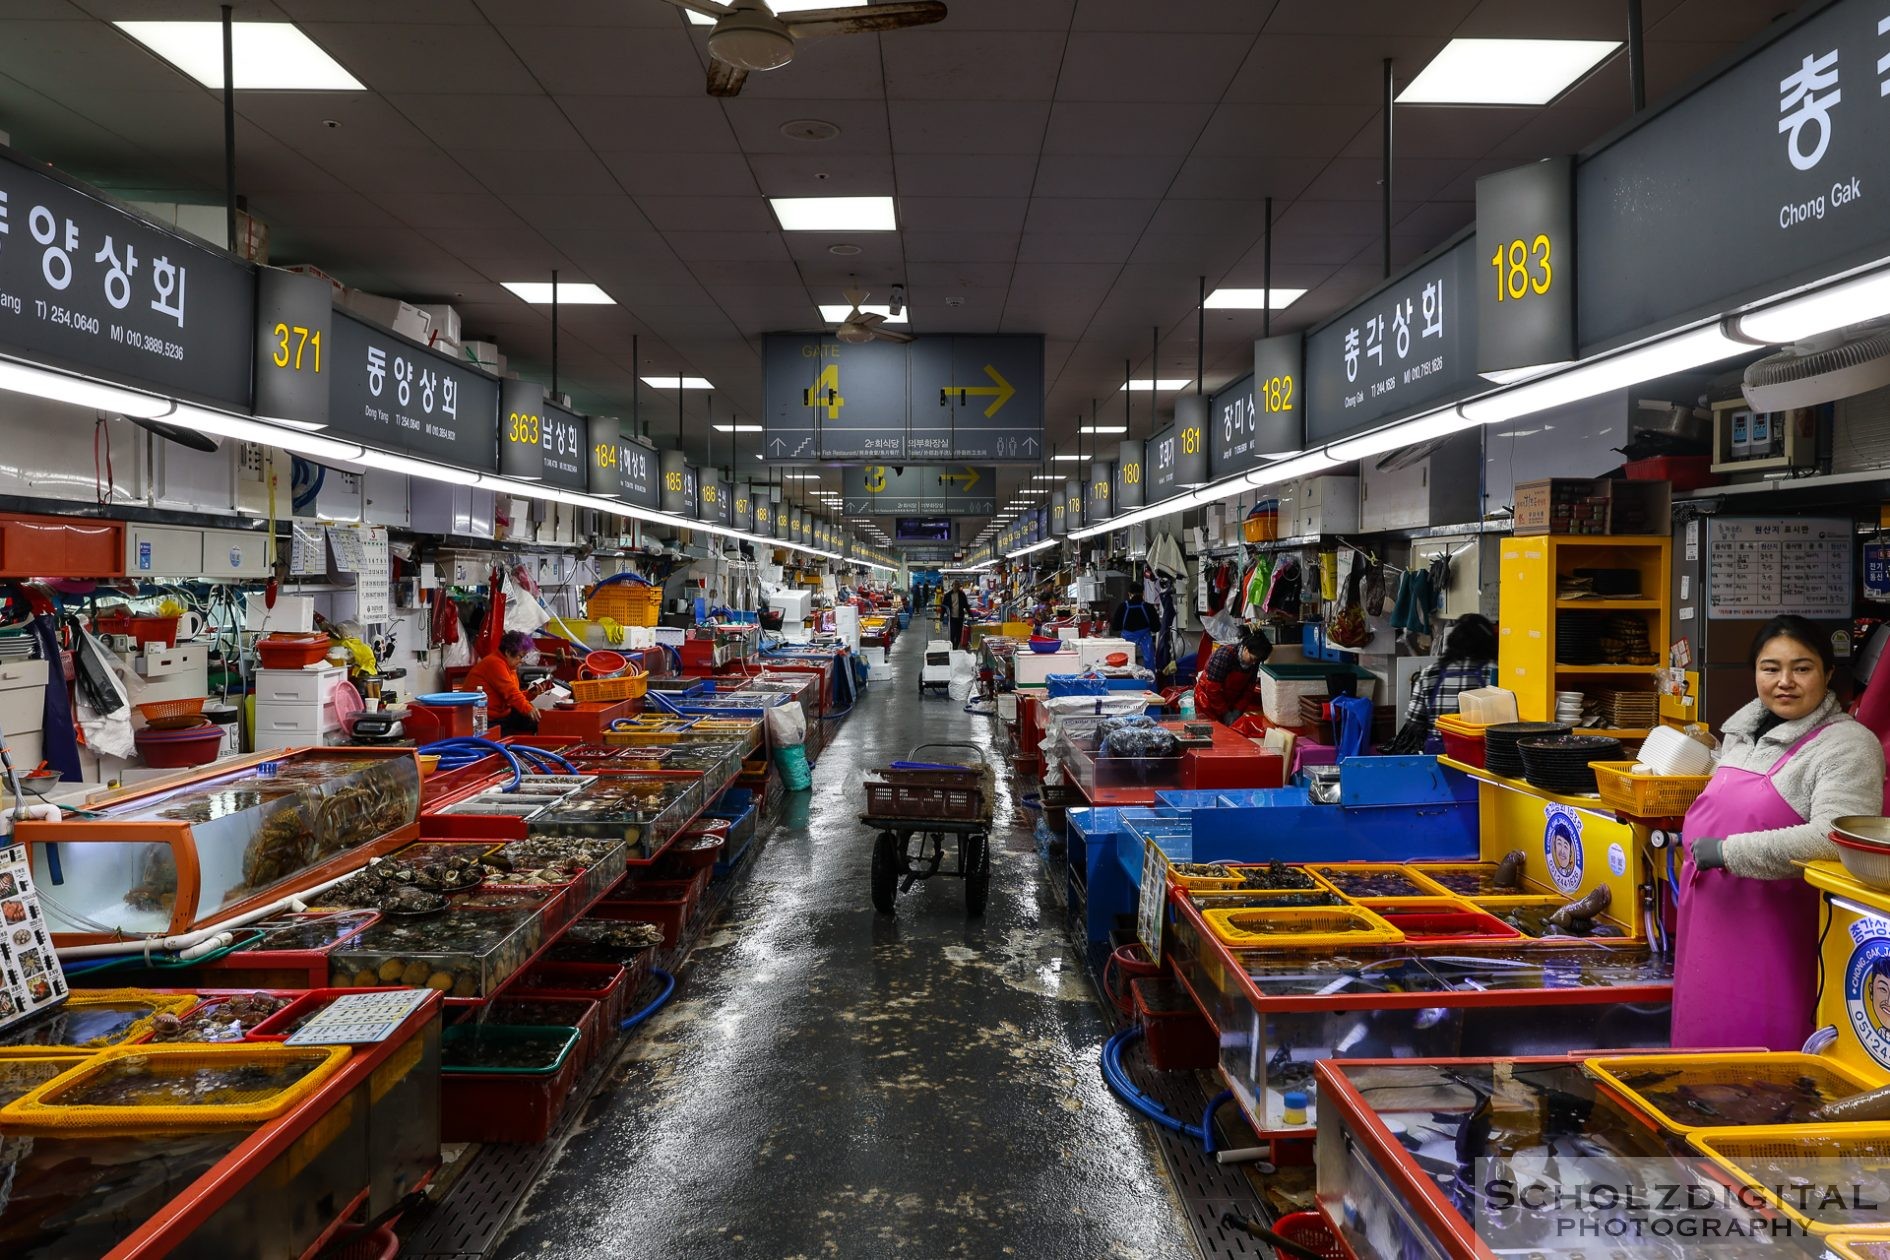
(189, 854)
(84, 1195)
(643, 811)
(464, 953)
(1413, 1159)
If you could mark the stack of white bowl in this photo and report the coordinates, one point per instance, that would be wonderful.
(1667, 751)
(1568, 707)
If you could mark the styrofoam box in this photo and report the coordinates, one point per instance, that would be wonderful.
(879, 673)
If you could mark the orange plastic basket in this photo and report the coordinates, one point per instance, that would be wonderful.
(625, 687)
(626, 603)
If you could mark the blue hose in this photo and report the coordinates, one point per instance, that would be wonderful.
(1117, 1078)
(457, 753)
(656, 1003)
(550, 762)
(1207, 1118)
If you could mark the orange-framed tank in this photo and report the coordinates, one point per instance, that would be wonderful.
(207, 845)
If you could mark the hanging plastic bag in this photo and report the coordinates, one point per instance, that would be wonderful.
(787, 725)
(523, 610)
(104, 712)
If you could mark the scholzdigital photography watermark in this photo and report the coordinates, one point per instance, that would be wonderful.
(1585, 1202)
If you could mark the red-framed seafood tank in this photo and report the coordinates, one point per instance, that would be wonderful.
(206, 846)
(348, 1142)
(1430, 975)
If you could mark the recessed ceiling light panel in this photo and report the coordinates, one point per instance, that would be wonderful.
(677, 382)
(538, 292)
(265, 56)
(1252, 299)
(834, 314)
(835, 214)
(1142, 385)
(1505, 71)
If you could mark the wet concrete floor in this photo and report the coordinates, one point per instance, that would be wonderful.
(834, 1082)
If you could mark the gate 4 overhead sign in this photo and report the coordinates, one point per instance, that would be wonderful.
(880, 490)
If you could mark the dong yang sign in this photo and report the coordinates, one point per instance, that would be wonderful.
(566, 443)
(398, 396)
(94, 289)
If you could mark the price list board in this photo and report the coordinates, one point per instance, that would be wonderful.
(1759, 568)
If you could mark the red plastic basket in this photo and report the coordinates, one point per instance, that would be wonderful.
(556, 1010)
(1123, 967)
(178, 750)
(142, 629)
(599, 982)
(292, 651)
(381, 1243)
(1179, 1037)
(1464, 749)
(666, 913)
(1309, 1230)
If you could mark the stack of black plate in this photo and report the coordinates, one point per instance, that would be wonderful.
(1578, 638)
(1500, 754)
(1561, 763)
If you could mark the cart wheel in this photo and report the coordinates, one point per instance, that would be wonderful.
(885, 871)
(977, 859)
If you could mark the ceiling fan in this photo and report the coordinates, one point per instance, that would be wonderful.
(748, 36)
(860, 327)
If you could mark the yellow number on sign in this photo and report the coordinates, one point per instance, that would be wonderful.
(606, 455)
(1277, 394)
(304, 340)
(708, 494)
(1131, 474)
(1515, 279)
(672, 481)
(523, 428)
(1190, 441)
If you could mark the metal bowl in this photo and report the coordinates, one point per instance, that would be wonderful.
(1866, 829)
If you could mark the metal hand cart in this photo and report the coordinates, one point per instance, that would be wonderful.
(937, 670)
(915, 810)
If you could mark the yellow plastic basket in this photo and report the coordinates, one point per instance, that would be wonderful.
(1646, 795)
(1651, 1082)
(151, 1003)
(1839, 1156)
(1301, 928)
(177, 1087)
(1199, 883)
(593, 690)
(626, 603)
(1346, 879)
(1856, 1247)
(21, 1074)
(1455, 878)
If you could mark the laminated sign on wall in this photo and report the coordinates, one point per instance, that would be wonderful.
(30, 977)
(1758, 569)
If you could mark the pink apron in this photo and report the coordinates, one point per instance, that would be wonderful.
(1746, 961)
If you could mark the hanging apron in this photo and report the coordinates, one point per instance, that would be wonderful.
(1746, 962)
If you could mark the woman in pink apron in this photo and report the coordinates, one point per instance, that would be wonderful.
(1745, 967)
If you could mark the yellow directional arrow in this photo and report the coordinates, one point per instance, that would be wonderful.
(966, 479)
(1000, 391)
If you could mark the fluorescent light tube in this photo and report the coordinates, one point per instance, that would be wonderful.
(679, 382)
(835, 214)
(1853, 301)
(243, 429)
(740, 428)
(1142, 386)
(836, 314)
(1252, 299)
(1094, 430)
(387, 462)
(1505, 71)
(1068, 459)
(1677, 353)
(570, 293)
(1435, 424)
(265, 56)
(27, 378)
(1037, 546)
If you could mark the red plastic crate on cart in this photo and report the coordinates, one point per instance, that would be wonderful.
(1179, 1035)
(666, 913)
(600, 982)
(556, 1010)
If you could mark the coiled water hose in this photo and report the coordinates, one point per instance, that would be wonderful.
(1117, 1078)
(656, 1003)
(456, 754)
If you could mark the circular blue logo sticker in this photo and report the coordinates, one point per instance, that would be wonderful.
(1562, 846)
(1867, 996)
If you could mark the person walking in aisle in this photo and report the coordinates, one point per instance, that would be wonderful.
(1135, 621)
(956, 609)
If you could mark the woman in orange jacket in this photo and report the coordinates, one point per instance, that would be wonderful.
(497, 675)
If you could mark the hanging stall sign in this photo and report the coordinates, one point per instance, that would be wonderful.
(603, 457)
(638, 474)
(712, 493)
(398, 396)
(742, 508)
(940, 398)
(1772, 174)
(1279, 399)
(521, 429)
(1526, 239)
(764, 512)
(1412, 344)
(1098, 499)
(294, 345)
(912, 490)
(1176, 458)
(679, 484)
(1131, 484)
(565, 448)
(1073, 504)
(94, 289)
(1234, 423)
(1059, 524)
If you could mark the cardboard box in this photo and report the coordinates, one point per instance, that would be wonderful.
(403, 317)
(1578, 505)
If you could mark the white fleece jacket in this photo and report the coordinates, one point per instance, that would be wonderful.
(1839, 772)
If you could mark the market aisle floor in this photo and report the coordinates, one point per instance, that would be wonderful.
(833, 1082)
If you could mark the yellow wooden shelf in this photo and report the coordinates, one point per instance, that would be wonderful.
(1609, 732)
(1611, 605)
(1605, 669)
(1591, 803)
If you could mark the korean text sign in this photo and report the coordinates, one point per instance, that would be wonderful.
(398, 396)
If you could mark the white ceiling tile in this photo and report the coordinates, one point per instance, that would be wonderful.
(1089, 214)
(961, 246)
(1100, 127)
(1571, 19)
(1076, 247)
(708, 214)
(1148, 66)
(573, 172)
(815, 174)
(1328, 69)
(1010, 15)
(1368, 17)
(1135, 176)
(489, 122)
(1281, 178)
(1438, 131)
(410, 58)
(747, 274)
(729, 246)
(812, 250)
(934, 280)
(511, 13)
(964, 174)
(975, 65)
(822, 69)
(1196, 254)
(570, 217)
(377, 12)
(1173, 15)
(757, 124)
(690, 124)
(968, 126)
(1361, 179)
(704, 174)
(1254, 131)
(585, 61)
(963, 214)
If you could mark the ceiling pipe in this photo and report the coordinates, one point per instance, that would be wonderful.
(229, 128)
(1391, 92)
(1636, 56)
(1200, 341)
(1266, 273)
(554, 333)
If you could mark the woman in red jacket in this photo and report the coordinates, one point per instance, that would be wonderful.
(1224, 688)
(497, 676)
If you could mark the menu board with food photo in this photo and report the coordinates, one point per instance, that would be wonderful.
(30, 978)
